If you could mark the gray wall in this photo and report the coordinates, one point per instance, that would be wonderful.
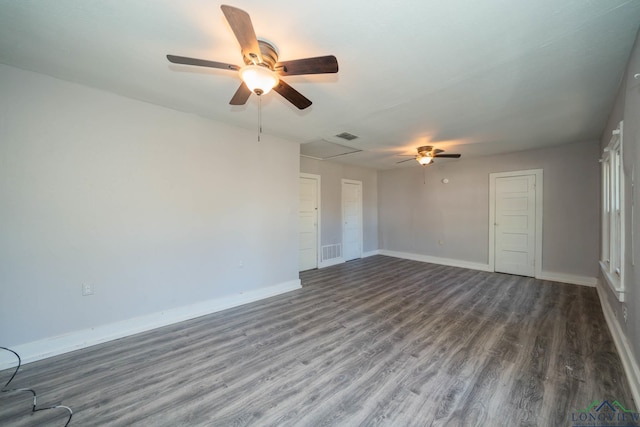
(415, 215)
(331, 174)
(154, 207)
(627, 108)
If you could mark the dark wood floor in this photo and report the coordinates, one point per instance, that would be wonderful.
(378, 341)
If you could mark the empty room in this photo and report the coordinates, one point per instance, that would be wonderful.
(284, 213)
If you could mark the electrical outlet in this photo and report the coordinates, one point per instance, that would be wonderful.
(624, 313)
(87, 289)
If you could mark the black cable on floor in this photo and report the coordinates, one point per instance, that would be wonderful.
(35, 402)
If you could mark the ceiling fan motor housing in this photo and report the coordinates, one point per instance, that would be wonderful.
(269, 55)
(425, 150)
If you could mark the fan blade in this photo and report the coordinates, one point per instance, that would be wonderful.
(201, 62)
(402, 161)
(317, 65)
(240, 24)
(292, 95)
(450, 156)
(241, 95)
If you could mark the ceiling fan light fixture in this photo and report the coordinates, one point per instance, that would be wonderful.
(424, 160)
(259, 79)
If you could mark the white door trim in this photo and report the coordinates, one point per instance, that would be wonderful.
(359, 183)
(492, 215)
(318, 228)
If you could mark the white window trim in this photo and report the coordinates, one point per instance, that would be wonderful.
(612, 251)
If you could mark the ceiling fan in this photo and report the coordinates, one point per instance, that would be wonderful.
(262, 70)
(427, 153)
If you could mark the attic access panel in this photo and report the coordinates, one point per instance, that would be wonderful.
(323, 150)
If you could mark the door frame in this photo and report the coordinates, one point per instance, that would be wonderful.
(317, 178)
(360, 213)
(538, 209)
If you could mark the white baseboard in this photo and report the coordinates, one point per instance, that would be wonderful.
(436, 260)
(340, 260)
(629, 362)
(53, 346)
(545, 275)
(569, 278)
(330, 262)
(370, 253)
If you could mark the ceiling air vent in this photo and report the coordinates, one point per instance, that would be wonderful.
(346, 135)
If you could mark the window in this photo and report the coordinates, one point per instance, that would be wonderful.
(612, 253)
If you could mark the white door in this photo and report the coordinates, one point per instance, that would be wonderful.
(351, 219)
(515, 225)
(308, 223)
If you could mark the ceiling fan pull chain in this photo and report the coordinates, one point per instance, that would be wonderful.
(424, 177)
(259, 117)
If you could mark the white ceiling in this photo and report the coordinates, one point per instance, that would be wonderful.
(468, 76)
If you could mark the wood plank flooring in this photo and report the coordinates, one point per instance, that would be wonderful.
(373, 342)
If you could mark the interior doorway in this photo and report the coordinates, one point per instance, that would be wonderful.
(309, 223)
(515, 222)
(351, 219)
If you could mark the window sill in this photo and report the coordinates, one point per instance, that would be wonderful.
(614, 282)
